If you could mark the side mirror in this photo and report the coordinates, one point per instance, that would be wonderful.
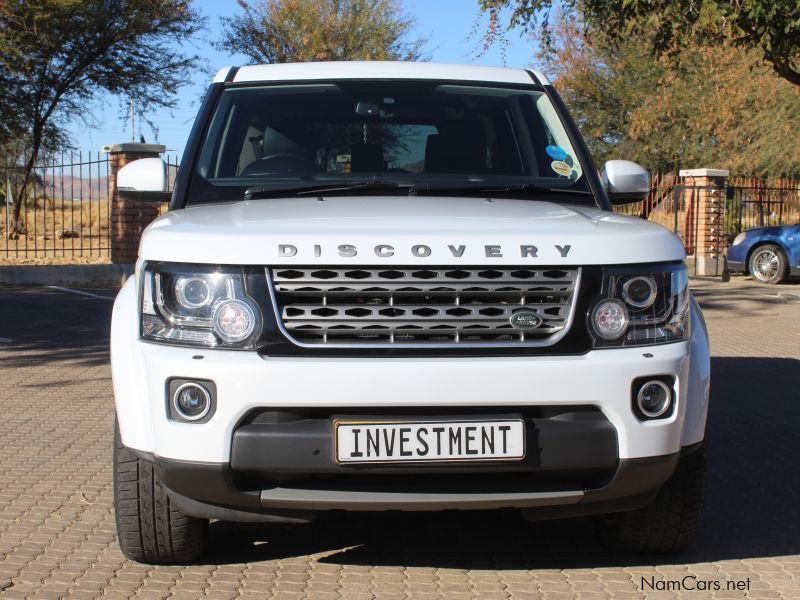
(144, 180)
(625, 181)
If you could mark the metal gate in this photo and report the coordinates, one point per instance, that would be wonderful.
(743, 204)
(754, 203)
(673, 205)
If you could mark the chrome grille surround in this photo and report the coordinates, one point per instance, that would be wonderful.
(423, 307)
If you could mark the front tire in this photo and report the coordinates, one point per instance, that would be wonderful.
(150, 529)
(669, 523)
(768, 264)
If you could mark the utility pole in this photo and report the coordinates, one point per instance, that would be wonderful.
(133, 119)
(9, 198)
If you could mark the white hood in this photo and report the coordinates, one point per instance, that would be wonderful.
(404, 230)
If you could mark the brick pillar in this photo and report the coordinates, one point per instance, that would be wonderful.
(704, 198)
(128, 219)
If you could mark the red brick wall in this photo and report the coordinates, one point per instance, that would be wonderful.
(128, 219)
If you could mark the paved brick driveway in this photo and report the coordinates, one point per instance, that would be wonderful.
(57, 527)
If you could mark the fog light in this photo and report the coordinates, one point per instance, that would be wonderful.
(191, 401)
(654, 398)
(610, 319)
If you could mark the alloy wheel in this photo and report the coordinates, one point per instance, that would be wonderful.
(766, 264)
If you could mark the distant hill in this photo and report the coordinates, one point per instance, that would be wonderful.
(71, 187)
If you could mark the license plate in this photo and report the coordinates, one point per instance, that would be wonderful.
(396, 441)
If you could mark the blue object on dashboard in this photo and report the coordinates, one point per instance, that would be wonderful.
(556, 152)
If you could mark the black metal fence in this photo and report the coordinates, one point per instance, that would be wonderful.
(743, 204)
(747, 203)
(65, 207)
(759, 203)
(65, 213)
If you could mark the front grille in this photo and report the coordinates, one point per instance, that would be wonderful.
(423, 307)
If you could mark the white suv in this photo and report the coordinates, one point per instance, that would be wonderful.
(400, 286)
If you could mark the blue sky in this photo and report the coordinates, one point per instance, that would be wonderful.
(446, 23)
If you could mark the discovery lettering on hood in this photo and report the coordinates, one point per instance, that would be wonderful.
(424, 250)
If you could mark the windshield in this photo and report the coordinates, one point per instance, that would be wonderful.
(425, 136)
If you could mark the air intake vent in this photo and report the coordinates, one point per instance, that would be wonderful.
(425, 307)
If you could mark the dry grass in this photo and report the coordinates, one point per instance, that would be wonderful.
(49, 227)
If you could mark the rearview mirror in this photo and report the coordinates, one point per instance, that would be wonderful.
(368, 109)
(625, 181)
(144, 180)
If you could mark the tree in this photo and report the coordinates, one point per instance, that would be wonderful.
(706, 105)
(278, 31)
(57, 55)
(769, 27)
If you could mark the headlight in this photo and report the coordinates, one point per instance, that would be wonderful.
(234, 320)
(640, 291)
(192, 292)
(610, 319)
(739, 239)
(197, 305)
(641, 305)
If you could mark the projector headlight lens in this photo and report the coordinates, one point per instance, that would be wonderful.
(192, 292)
(640, 291)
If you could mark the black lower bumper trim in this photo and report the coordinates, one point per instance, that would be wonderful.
(210, 491)
(207, 510)
(282, 469)
(273, 444)
(636, 482)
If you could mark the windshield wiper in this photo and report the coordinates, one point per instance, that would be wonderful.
(483, 189)
(413, 189)
(328, 188)
(358, 185)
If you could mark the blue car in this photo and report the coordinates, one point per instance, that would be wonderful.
(769, 254)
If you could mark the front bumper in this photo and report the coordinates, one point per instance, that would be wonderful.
(199, 463)
(737, 258)
(211, 491)
(736, 266)
(246, 382)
